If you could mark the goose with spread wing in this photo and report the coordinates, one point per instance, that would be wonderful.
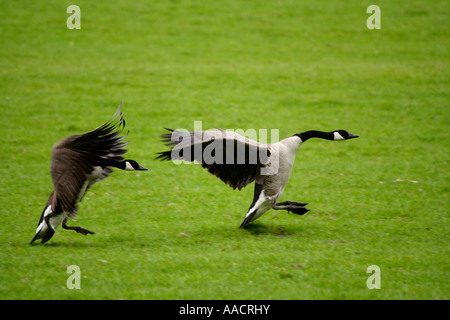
(238, 161)
(77, 163)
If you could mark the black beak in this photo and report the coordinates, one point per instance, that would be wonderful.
(141, 168)
(351, 136)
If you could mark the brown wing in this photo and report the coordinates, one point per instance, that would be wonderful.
(234, 159)
(69, 172)
(75, 157)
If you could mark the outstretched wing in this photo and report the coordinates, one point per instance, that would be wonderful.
(74, 159)
(233, 158)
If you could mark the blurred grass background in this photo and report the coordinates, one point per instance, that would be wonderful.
(172, 232)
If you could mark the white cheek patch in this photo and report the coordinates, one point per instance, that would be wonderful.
(262, 198)
(128, 166)
(337, 136)
(43, 226)
(55, 221)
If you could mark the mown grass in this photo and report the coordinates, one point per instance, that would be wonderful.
(172, 232)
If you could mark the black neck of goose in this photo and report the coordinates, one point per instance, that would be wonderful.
(114, 163)
(315, 134)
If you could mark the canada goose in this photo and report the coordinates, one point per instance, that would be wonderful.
(77, 163)
(238, 161)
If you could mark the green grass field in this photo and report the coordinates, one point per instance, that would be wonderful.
(172, 232)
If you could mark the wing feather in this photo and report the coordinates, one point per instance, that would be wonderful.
(233, 158)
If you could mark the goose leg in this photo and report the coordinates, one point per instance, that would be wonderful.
(77, 229)
(284, 203)
(291, 206)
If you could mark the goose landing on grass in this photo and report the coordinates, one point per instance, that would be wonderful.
(270, 166)
(77, 163)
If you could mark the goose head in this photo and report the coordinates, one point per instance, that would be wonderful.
(343, 135)
(132, 165)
